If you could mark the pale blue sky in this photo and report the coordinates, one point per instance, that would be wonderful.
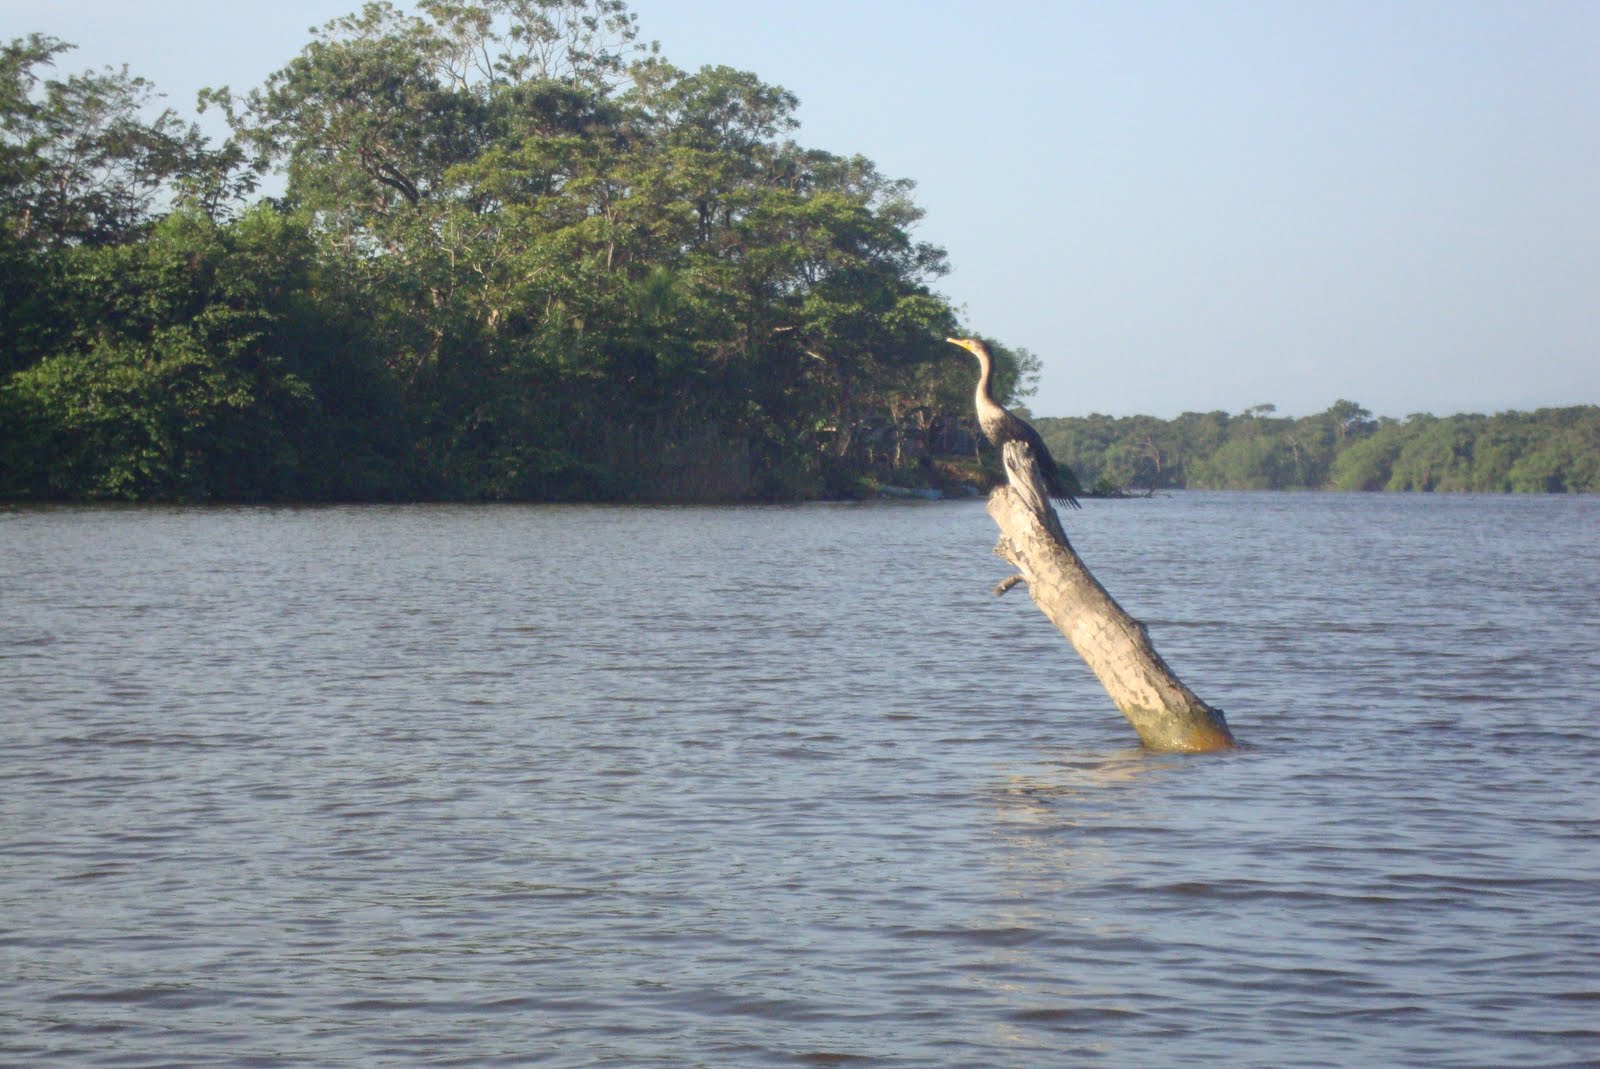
(1175, 205)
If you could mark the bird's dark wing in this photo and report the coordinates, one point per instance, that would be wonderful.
(1059, 479)
(1067, 488)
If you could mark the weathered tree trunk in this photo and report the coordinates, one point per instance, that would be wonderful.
(1166, 714)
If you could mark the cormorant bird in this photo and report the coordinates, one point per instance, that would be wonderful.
(1000, 427)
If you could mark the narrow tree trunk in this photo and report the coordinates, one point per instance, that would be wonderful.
(1166, 714)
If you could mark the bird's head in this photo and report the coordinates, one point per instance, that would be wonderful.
(971, 345)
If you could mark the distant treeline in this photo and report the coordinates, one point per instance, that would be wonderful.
(1552, 450)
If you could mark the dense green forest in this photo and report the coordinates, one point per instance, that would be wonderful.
(511, 252)
(516, 255)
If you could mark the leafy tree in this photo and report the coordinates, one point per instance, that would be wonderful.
(1564, 458)
(521, 207)
(192, 373)
(1246, 462)
(1350, 420)
(1437, 454)
(79, 162)
(1368, 464)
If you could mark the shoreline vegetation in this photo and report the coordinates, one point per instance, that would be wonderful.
(1550, 450)
(518, 255)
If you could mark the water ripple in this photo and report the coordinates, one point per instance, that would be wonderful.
(422, 786)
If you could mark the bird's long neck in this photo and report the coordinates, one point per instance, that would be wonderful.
(984, 395)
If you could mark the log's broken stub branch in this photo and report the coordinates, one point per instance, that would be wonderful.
(1167, 715)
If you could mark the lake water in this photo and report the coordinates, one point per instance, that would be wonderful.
(788, 786)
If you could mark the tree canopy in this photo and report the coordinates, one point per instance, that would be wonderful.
(516, 254)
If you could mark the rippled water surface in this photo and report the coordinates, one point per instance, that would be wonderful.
(788, 786)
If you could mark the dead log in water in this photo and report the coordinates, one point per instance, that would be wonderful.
(1168, 716)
